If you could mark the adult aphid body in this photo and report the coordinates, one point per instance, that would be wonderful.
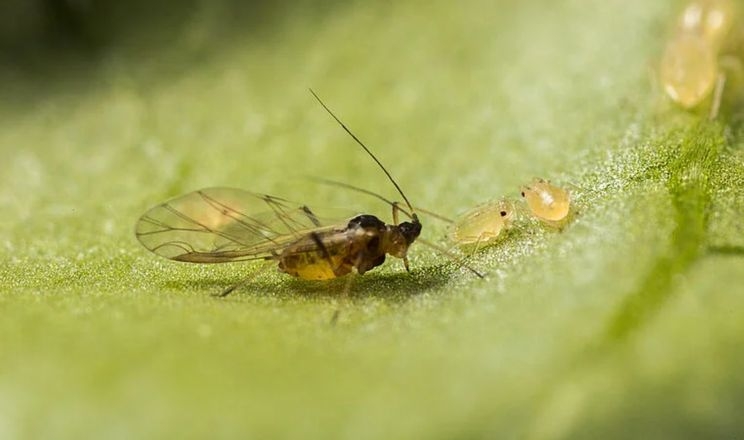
(221, 225)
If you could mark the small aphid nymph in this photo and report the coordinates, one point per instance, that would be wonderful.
(547, 202)
(482, 225)
(690, 68)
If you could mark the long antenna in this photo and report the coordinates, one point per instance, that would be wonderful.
(361, 190)
(413, 214)
(377, 196)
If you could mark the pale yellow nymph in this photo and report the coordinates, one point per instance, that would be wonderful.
(546, 201)
(483, 224)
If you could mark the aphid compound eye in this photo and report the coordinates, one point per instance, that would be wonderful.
(503, 213)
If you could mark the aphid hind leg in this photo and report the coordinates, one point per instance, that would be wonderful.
(715, 105)
(247, 280)
(477, 246)
(345, 294)
(406, 264)
(344, 299)
(731, 71)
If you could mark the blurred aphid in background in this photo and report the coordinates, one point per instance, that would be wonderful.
(702, 46)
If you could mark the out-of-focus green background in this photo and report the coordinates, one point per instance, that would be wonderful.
(628, 323)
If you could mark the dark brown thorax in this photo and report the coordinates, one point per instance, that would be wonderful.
(362, 244)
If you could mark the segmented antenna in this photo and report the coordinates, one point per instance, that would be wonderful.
(400, 191)
(379, 197)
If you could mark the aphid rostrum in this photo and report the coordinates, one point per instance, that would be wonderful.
(547, 202)
(221, 225)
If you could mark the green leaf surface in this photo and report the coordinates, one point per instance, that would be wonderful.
(627, 323)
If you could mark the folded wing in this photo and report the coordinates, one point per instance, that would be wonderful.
(219, 225)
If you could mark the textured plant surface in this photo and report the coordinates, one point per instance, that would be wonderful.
(628, 322)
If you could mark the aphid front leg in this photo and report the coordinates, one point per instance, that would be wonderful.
(730, 68)
(715, 105)
(406, 264)
(396, 214)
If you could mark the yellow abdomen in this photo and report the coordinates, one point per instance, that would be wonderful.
(304, 260)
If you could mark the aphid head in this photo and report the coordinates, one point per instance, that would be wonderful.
(506, 211)
(400, 237)
(410, 230)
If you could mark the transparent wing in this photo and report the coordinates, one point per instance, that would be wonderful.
(216, 225)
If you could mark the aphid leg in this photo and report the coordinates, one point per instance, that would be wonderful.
(406, 264)
(334, 317)
(311, 215)
(477, 246)
(322, 247)
(731, 68)
(452, 257)
(344, 300)
(345, 293)
(327, 256)
(247, 280)
(396, 210)
(717, 95)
